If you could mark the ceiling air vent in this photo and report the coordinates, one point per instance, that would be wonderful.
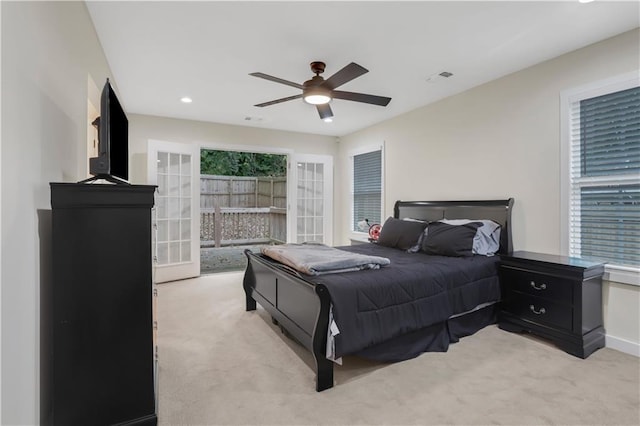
(433, 78)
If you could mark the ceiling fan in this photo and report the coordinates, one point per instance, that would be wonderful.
(320, 92)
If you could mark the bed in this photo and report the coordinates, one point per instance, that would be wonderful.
(421, 302)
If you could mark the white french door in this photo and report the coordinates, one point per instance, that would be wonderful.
(175, 169)
(311, 212)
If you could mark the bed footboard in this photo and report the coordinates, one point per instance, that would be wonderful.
(299, 306)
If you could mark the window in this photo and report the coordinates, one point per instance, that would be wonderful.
(367, 187)
(602, 177)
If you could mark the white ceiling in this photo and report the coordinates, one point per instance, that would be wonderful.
(161, 51)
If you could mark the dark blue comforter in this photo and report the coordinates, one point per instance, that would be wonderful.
(415, 291)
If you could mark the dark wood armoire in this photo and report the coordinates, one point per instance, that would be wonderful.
(102, 355)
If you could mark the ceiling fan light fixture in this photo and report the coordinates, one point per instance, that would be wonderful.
(317, 99)
(317, 96)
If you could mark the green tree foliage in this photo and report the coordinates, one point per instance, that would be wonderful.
(232, 163)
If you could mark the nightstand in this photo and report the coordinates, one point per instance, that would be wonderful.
(556, 297)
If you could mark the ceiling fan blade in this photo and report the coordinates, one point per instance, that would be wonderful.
(325, 111)
(361, 97)
(345, 75)
(277, 80)
(277, 101)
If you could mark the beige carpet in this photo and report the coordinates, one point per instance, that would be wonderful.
(220, 365)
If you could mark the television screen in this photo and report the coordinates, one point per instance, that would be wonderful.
(113, 138)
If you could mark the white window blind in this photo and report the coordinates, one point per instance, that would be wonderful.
(367, 187)
(604, 205)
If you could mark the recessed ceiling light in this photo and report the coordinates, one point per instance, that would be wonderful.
(327, 120)
(186, 100)
(585, 1)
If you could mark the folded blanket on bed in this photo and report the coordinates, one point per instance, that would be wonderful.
(317, 259)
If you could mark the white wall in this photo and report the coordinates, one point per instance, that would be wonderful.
(49, 52)
(498, 140)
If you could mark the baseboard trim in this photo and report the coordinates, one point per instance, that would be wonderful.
(622, 345)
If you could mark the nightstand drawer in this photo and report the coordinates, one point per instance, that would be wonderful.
(541, 310)
(560, 290)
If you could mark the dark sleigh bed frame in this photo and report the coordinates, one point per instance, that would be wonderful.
(301, 307)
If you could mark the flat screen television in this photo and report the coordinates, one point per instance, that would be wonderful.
(112, 162)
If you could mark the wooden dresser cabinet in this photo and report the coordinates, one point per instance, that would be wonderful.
(555, 297)
(102, 328)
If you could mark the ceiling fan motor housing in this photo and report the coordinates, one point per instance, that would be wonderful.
(317, 67)
(315, 81)
(314, 92)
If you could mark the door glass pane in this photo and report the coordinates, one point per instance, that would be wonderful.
(185, 230)
(163, 253)
(161, 207)
(185, 187)
(163, 162)
(174, 207)
(162, 184)
(185, 167)
(185, 254)
(174, 252)
(186, 208)
(174, 230)
(174, 185)
(174, 164)
(163, 231)
(300, 211)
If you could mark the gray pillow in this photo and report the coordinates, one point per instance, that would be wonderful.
(401, 234)
(443, 239)
(416, 247)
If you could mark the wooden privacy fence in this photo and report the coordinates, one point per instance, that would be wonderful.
(232, 191)
(224, 226)
(242, 210)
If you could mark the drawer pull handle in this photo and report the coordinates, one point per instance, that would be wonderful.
(540, 312)
(542, 286)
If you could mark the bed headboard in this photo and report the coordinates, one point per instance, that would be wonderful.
(496, 210)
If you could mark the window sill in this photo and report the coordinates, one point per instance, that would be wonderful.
(359, 236)
(621, 274)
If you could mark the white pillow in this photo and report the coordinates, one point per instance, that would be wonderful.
(487, 239)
